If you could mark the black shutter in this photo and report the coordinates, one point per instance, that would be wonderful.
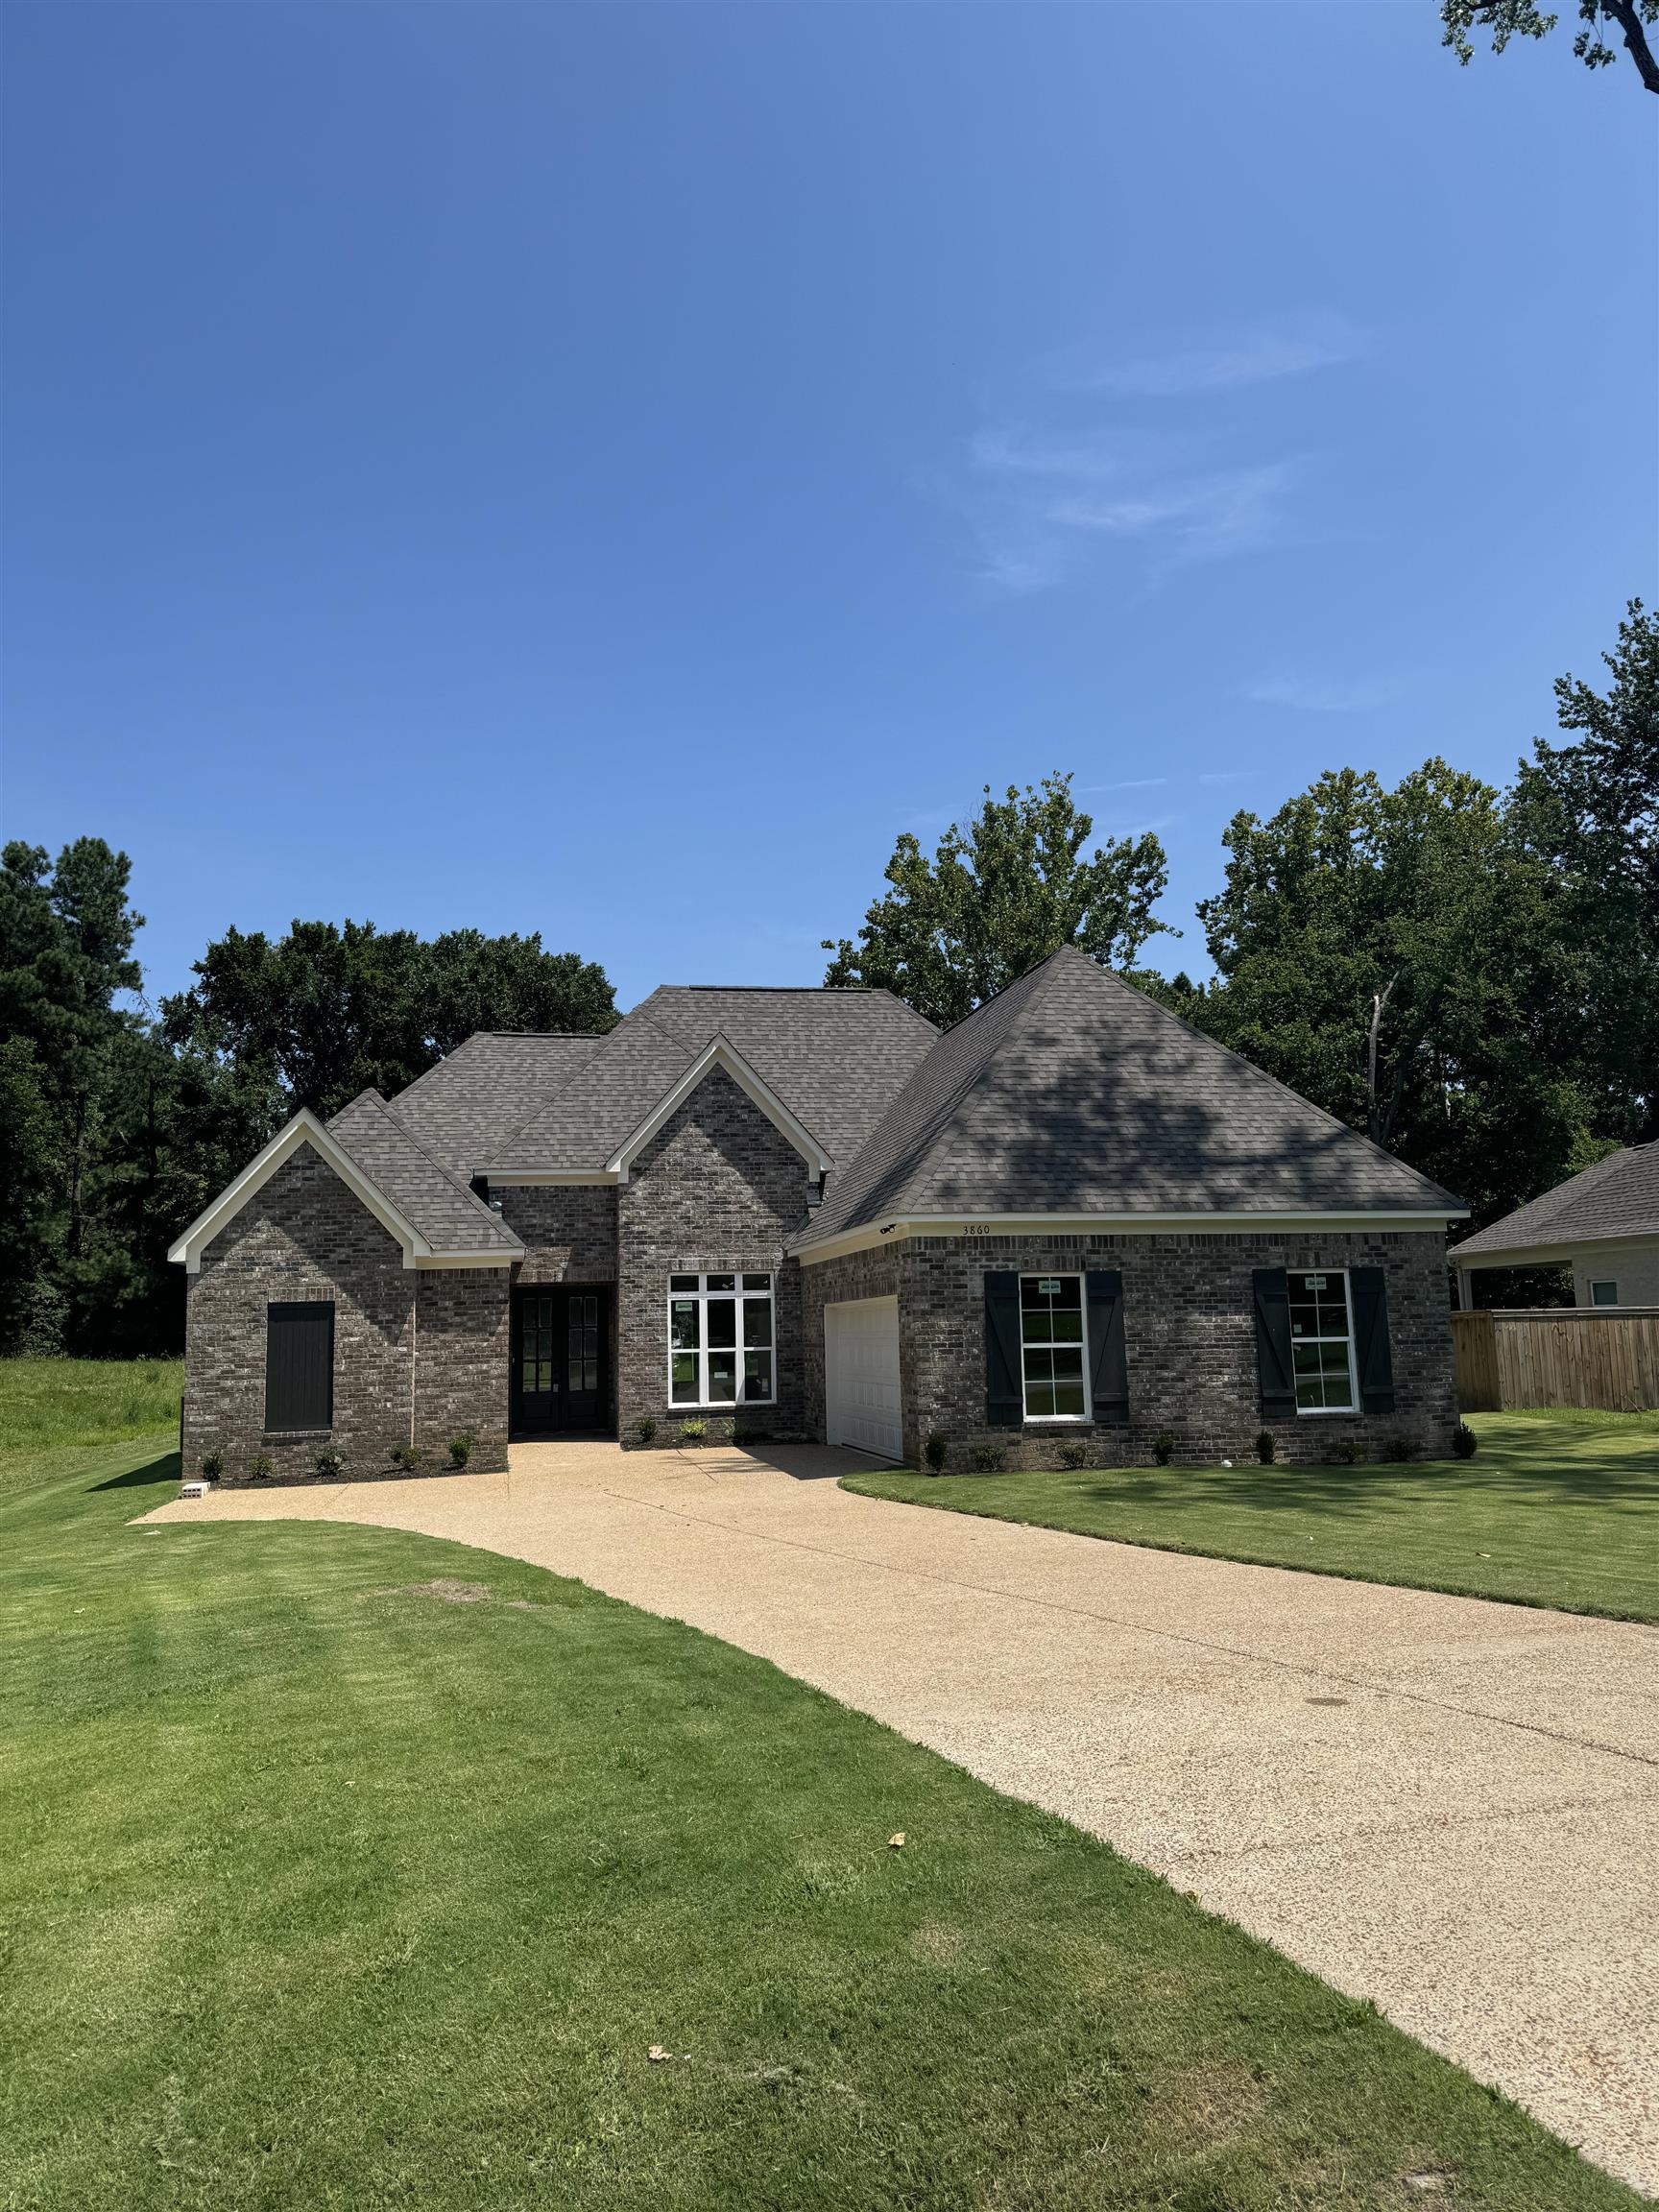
(299, 1365)
(1373, 1360)
(1108, 1354)
(1274, 1367)
(1005, 1393)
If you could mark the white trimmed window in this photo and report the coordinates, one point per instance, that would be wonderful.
(720, 1342)
(1052, 1369)
(1322, 1342)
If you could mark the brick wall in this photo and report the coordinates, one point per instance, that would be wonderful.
(425, 1348)
(717, 1188)
(568, 1230)
(871, 1274)
(1189, 1326)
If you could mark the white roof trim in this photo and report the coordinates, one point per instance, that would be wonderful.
(304, 1129)
(969, 1226)
(1559, 1252)
(720, 1052)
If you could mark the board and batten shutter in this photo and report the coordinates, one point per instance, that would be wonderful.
(1005, 1393)
(1107, 1352)
(299, 1365)
(1373, 1358)
(1275, 1368)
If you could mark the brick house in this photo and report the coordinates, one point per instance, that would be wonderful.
(806, 1214)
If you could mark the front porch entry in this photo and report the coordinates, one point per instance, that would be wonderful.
(561, 1360)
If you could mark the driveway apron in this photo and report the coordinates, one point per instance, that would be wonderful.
(1446, 1806)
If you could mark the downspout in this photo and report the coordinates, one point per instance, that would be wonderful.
(414, 1332)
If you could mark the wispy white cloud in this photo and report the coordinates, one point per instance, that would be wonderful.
(1291, 346)
(1038, 492)
(1229, 775)
(1322, 695)
(1132, 783)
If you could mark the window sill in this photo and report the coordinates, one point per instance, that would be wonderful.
(1059, 1421)
(1329, 1413)
(748, 1406)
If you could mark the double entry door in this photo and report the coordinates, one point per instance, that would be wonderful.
(559, 1356)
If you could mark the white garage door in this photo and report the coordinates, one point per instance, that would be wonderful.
(861, 1375)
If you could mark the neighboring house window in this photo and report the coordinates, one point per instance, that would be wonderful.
(720, 1345)
(1051, 1348)
(299, 1365)
(1321, 1343)
(1604, 1293)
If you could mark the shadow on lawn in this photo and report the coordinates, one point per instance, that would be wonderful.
(165, 1469)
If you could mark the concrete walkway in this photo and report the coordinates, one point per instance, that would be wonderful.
(1448, 1806)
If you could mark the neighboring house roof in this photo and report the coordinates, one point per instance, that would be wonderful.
(1071, 1092)
(450, 1217)
(1619, 1196)
(835, 1059)
(461, 1110)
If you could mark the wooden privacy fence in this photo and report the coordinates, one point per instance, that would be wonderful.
(1560, 1355)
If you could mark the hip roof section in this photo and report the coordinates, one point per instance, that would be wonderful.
(1071, 1092)
(1618, 1196)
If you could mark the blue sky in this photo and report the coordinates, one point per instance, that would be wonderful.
(608, 469)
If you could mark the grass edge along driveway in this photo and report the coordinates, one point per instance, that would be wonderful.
(1557, 1510)
(346, 1868)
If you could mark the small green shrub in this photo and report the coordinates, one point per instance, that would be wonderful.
(212, 1465)
(1266, 1447)
(1348, 1452)
(988, 1458)
(1163, 1449)
(936, 1452)
(330, 1463)
(693, 1432)
(1464, 1441)
(645, 1429)
(408, 1456)
(261, 1467)
(1400, 1449)
(1073, 1457)
(460, 1449)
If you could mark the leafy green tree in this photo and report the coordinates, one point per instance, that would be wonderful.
(28, 1187)
(1398, 956)
(1508, 19)
(334, 1011)
(999, 894)
(1590, 808)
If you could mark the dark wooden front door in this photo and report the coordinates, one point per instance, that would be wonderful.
(559, 1361)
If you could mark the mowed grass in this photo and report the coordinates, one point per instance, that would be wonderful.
(55, 1413)
(1558, 1508)
(345, 1869)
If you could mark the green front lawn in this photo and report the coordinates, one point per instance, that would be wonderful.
(1556, 1508)
(345, 1868)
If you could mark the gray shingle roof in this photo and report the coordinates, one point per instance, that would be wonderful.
(1619, 1196)
(835, 1058)
(487, 1088)
(433, 1201)
(1073, 1092)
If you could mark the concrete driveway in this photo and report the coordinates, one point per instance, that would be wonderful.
(1446, 1806)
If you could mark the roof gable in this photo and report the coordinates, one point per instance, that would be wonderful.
(1073, 1094)
(721, 1053)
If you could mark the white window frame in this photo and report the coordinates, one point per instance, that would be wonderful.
(1604, 1283)
(740, 1297)
(1056, 1420)
(1326, 1412)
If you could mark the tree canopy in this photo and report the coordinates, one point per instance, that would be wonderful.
(1001, 893)
(338, 1010)
(1506, 19)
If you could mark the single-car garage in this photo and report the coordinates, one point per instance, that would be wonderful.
(862, 1376)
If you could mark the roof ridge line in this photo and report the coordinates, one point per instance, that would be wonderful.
(1051, 961)
(634, 1014)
